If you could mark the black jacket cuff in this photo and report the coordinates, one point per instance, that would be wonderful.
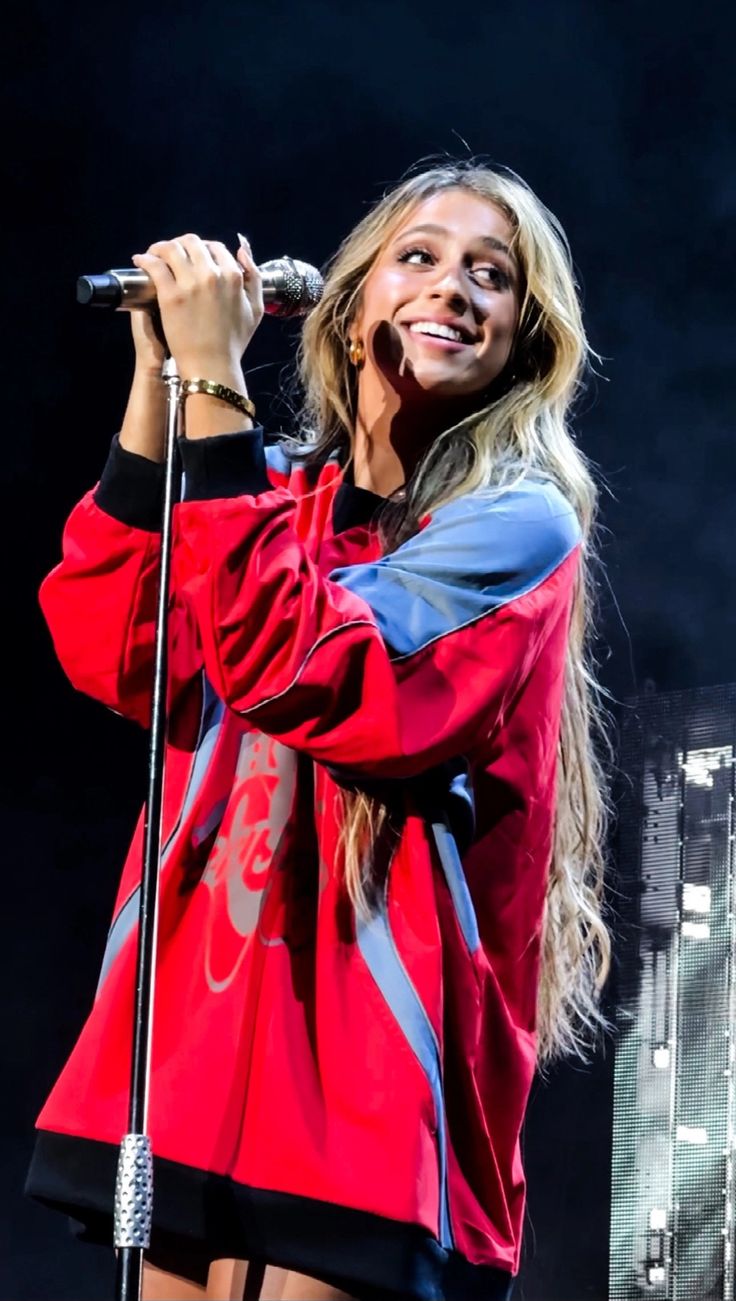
(131, 489)
(227, 465)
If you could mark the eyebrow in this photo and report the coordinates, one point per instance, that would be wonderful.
(489, 240)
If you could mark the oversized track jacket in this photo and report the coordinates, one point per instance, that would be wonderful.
(335, 1094)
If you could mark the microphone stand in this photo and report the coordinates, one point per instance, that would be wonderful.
(290, 288)
(134, 1184)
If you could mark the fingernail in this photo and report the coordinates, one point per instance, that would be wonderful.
(244, 243)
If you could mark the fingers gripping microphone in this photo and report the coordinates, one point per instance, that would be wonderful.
(290, 288)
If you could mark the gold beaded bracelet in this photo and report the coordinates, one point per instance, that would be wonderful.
(221, 391)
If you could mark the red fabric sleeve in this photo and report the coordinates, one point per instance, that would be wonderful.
(303, 657)
(100, 601)
(100, 606)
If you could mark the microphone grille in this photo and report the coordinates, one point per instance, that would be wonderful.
(291, 288)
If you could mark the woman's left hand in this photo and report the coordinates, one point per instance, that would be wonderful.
(210, 303)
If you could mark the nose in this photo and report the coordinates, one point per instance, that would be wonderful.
(450, 286)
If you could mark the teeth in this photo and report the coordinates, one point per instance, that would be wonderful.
(432, 327)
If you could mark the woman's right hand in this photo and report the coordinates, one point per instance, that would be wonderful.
(211, 304)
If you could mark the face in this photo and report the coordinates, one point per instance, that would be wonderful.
(440, 305)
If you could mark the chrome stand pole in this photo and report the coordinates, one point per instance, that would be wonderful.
(134, 1186)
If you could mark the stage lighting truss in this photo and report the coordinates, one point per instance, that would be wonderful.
(674, 1130)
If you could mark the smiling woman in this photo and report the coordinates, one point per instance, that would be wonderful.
(437, 317)
(463, 278)
(381, 875)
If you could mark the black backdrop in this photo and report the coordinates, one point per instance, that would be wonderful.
(285, 120)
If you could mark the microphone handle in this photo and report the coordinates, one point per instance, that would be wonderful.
(128, 289)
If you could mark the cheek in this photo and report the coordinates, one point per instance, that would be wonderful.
(509, 317)
(382, 295)
(500, 344)
(503, 330)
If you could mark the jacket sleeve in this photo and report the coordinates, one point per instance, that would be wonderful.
(380, 669)
(100, 601)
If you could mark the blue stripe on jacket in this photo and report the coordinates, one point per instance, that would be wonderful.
(477, 553)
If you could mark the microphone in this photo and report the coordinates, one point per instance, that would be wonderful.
(290, 288)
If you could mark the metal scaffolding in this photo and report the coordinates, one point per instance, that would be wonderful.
(672, 1214)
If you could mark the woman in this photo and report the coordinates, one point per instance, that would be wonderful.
(381, 873)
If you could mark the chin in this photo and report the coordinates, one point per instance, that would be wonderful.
(445, 389)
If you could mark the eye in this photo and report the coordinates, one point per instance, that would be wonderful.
(422, 256)
(487, 274)
(493, 275)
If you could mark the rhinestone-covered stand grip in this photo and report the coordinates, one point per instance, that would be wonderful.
(134, 1192)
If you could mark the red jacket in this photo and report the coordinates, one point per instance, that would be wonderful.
(376, 1072)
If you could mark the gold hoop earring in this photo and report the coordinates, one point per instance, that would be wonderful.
(356, 352)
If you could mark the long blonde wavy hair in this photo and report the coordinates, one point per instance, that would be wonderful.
(520, 428)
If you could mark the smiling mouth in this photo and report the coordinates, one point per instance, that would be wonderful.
(443, 338)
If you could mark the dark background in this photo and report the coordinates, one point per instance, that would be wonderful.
(286, 121)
